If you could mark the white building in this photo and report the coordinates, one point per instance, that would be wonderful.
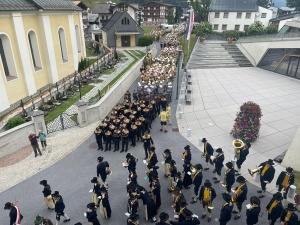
(237, 15)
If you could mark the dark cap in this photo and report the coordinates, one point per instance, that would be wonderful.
(163, 217)
(133, 217)
(278, 196)
(187, 147)
(100, 159)
(91, 205)
(229, 165)
(240, 179)
(167, 151)
(226, 197)
(94, 180)
(55, 194)
(291, 207)
(38, 220)
(8, 205)
(43, 182)
(289, 169)
(204, 140)
(103, 189)
(219, 150)
(270, 162)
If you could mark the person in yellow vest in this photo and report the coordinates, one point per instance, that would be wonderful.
(239, 196)
(169, 114)
(163, 120)
(274, 208)
(267, 172)
(288, 217)
(285, 180)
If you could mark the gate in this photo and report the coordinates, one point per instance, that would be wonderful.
(61, 122)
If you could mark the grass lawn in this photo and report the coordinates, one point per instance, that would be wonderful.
(148, 29)
(91, 61)
(109, 71)
(66, 104)
(97, 81)
(185, 44)
(90, 53)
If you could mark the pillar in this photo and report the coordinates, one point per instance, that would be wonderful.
(73, 40)
(292, 156)
(39, 121)
(81, 113)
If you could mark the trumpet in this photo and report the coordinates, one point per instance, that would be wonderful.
(237, 145)
(203, 155)
(253, 171)
(224, 184)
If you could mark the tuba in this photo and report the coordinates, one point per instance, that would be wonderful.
(252, 172)
(237, 145)
(209, 202)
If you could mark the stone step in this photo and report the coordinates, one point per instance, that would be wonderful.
(191, 66)
(215, 57)
(216, 60)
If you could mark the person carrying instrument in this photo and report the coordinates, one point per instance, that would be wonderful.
(91, 214)
(131, 162)
(218, 161)
(101, 169)
(229, 178)
(187, 155)
(47, 194)
(207, 153)
(267, 172)
(225, 215)
(243, 154)
(98, 135)
(133, 204)
(168, 158)
(172, 175)
(152, 158)
(147, 139)
(187, 179)
(197, 181)
(288, 217)
(285, 180)
(189, 218)
(206, 197)
(239, 196)
(274, 208)
(163, 219)
(59, 207)
(155, 190)
(150, 208)
(96, 190)
(253, 212)
(14, 213)
(178, 198)
(104, 208)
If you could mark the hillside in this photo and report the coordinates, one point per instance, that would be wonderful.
(90, 3)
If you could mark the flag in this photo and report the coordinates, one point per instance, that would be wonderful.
(190, 24)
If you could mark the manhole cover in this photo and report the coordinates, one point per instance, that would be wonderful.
(94, 145)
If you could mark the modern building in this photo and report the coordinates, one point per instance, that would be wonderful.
(281, 22)
(156, 12)
(237, 15)
(41, 42)
(121, 30)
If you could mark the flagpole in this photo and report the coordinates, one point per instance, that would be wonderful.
(189, 46)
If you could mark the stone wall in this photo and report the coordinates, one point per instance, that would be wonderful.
(15, 138)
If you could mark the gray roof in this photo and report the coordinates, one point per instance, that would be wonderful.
(29, 5)
(92, 17)
(112, 20)
(161, 3)
(285, 17)
(233, 6)
(101, 8)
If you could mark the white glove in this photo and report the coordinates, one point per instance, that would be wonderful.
(267, 182)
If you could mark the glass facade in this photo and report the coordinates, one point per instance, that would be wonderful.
(284, 61)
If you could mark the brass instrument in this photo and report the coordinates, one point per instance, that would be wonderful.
(203, 155)
(284, 187)
(138, 123)
(224, 184)
(193, 169)
(209, 202)
(237, 145)
(237, 194)
(253, 171)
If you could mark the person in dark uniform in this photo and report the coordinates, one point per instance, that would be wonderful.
(133, 205)
(98, 135)
(135, 95)
(101, 169)
(152, 173)
(177, 199)
(288, 216)
(131, 161)
(229, 178)
(242, 158)
(150, 208)
(239, 196)
(178, 181)
(206, 196)
(225, 215)
(15, 216)
(133, 133)
(172, 175)
(59, 207)
(168, 158)
(47, 194)
(153, 157)
(197, 181)
(274, 208)
(187, 179)
(207, 153)
(187, 155)
(285, 180)
(117, 139)
(155, 189)
(96, 190)
(253, 212)
(218, 161)
(161, 45)
(163, 219)
(124, 135)
(147, 139)
(189, 218)
(133, 219)
(105, 209)
(108, 139)
(91, 214)
(267, 173)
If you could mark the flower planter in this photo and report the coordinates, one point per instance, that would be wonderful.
(201, 39)
(230, 40)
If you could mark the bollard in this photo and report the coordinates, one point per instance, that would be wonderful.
(182, 92)
(189, 132)
(257, 177)
(233, 162)
(292, 191)
(180, 115)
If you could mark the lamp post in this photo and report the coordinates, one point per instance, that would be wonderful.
(178, 67)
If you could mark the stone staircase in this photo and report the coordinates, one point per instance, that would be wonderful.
(217, 55)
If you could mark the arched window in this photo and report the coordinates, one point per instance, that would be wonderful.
(78, 38)
(34, 49)
(125, 21)
(7, 58)
(63, 45)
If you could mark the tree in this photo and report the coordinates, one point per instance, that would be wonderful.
(293, 4)
(203, 28)
(263, 3)
(201, 9)
(271, 29)
(145, 40)
(170, 16)
(247, 122)
(255, 28)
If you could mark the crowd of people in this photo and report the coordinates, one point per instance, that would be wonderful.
(131, 121)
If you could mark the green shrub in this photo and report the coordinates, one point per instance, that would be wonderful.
(203, 28)
(145, 40)
(15, 121)
(271, 29)
(235, 34)
(255, 28)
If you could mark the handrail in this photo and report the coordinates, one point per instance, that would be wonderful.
(269, 37)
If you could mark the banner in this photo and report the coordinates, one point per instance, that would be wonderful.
(190, 25)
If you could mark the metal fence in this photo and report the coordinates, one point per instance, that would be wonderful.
(270, 38)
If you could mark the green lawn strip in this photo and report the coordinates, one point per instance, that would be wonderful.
(67, 104)
(136, 54)
(148, 29)
(141, 53)
(121, 55)
(109, 71)
(92, 61)
(97, 81)
(90, 53)
(185, 44)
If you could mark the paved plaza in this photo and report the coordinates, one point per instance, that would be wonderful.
(69, 163)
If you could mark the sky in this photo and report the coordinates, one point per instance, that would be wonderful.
(279, 3)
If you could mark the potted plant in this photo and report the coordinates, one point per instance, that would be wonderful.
(229, 39)
(232, 35)
(203, 29)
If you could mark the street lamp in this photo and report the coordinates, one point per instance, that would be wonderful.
(178, 67)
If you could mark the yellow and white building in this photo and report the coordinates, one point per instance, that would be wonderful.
(41, 42)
